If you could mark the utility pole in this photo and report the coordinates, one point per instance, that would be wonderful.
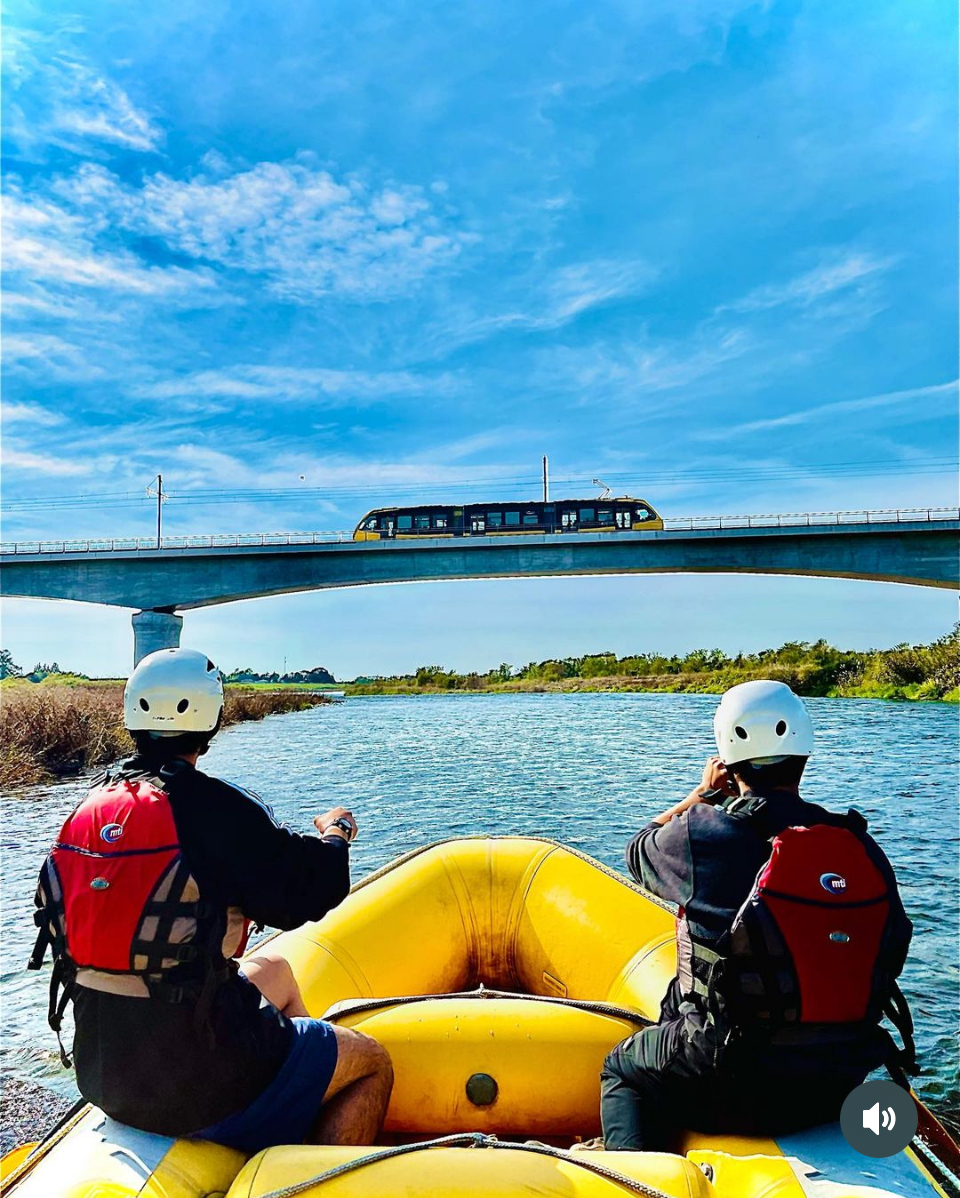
(546, 494)
(160, 498)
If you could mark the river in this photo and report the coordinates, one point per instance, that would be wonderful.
(586, 769)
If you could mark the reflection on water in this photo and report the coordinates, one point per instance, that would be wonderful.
(585, 769)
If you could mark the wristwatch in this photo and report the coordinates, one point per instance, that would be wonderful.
(345, 827)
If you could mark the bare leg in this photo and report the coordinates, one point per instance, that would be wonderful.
(356, 1100)
(273, 977)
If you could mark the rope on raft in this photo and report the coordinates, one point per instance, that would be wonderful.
(348, 1007)
(473, 1139)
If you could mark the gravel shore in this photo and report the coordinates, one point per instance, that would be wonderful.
(27, 1112)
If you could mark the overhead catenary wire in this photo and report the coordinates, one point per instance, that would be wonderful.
(446, 487)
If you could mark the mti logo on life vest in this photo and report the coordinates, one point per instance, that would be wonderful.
(833, 883)
(111, 832)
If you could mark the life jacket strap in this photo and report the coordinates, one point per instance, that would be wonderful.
(41, 944)
(61, 991)
(897, 1010)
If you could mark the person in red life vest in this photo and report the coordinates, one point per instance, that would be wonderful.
(790, 937)
(146, 899)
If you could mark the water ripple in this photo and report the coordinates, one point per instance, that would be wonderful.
(586, 769)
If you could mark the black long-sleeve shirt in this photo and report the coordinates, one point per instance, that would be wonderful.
(151, 1063)
(706, 859)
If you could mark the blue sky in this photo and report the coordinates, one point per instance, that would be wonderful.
(706, 252)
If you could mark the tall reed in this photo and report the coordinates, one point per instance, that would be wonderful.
(48, 730)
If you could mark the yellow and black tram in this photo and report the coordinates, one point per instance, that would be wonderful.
(508, 519)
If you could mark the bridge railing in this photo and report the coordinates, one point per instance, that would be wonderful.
(138, 544)
(813, 519)
(671, 524)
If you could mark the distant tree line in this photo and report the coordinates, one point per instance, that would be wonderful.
(316, 676)
(9, 669)
(811, 668)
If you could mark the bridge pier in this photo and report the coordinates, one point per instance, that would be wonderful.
(153, 630)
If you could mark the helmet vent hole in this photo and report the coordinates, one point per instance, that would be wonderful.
(210, 665)
(183, 705)
(145, 705)
(741, 732)
(781, 727)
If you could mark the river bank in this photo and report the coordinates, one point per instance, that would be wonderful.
(675, 684)
(52, 729)
(813, 669)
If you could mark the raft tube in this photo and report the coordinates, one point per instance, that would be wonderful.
(499, 972)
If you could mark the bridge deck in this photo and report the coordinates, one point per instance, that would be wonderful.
(918, 551)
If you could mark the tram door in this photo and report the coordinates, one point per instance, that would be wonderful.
(478, 523)
(568, 521)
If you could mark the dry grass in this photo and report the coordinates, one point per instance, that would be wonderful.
(47, 731)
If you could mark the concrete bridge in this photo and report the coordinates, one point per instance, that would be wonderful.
(917, 547)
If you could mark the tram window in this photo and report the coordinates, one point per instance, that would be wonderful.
(439, 522)
(371, 523)
(495, 519)
(511, 518)
(531, 518)
(605, 516)
(569, 519)
(404, 522)
(421, 522)
(587, 515)
(643, 513)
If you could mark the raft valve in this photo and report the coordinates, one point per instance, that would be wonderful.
(482, 1089)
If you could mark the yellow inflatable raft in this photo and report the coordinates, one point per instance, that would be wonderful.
(498, 972)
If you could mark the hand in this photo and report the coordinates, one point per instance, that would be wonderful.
(715, 777)
(324, 823)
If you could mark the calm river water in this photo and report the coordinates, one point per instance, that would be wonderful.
(586, 769)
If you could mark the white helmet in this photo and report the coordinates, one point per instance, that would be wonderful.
(173, 691)
(762, 721)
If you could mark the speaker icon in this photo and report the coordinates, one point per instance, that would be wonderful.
(873, 1117)
(878, 1119)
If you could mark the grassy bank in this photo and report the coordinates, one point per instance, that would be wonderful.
(914, 672)
(61, 727)
(694, 684)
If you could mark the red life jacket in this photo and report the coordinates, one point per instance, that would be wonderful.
(817, 945)
(116, 897)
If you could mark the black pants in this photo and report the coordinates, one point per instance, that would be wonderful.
(678, 1075)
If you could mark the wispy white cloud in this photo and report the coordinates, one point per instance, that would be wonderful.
(576, 288)
(59, 358)
(934, 392)
(71, 104)
(94, 107)
(292, 223)
(542, 301)
(846, 271)
(320, 386)
(642, 373)
(46, 244)
(13, 412)
(38, 463)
